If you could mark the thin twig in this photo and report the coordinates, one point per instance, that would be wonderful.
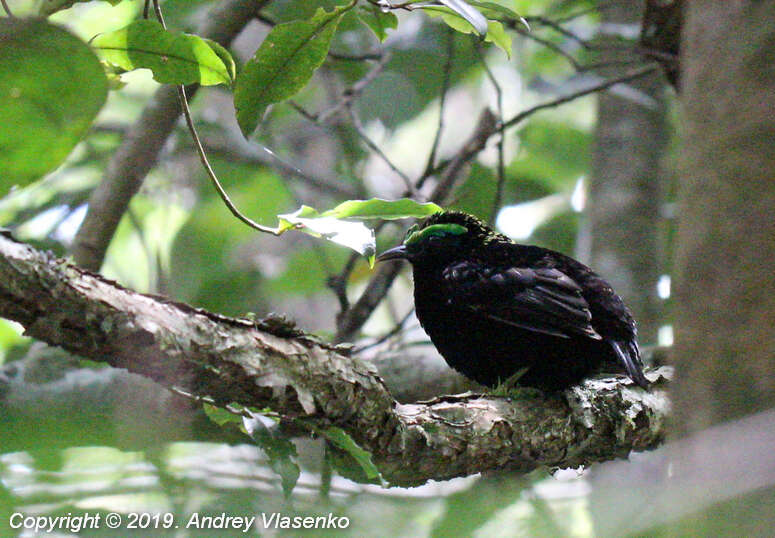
(603, 85)
(391, 333)
(159, 14)
(211, 173)
(368, 56)
(501, 172)
(442, 102)
(249, 155)
(486, 126)
(347, 97)
(356, 122)
(7, 9)
(354, 91)
(234, 410)
(522, 116)
(586, 11)
(201, 151)
(551, 46)
(558, 49)
(554, 25)
(608, 63)
(307, 115)
(338, 283)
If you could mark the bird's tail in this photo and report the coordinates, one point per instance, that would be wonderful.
(629, 356)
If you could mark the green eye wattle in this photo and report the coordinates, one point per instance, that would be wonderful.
(435, 230)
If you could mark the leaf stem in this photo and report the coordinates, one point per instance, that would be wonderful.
(201, 151)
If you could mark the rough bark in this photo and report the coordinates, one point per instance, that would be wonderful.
(269, 364)
(143, 143)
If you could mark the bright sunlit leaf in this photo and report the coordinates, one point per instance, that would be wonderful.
(470, 14)
(354, 235)
(494, 34)
(173, 57)
(492, 10)
(376, 208)
(225, 57)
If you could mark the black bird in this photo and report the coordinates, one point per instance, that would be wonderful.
(494, 308)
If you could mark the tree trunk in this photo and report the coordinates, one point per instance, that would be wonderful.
(718, 479)
(624, 195)
(726, 234)
(726, 238)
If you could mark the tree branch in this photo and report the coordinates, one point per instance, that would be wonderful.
(272, 365)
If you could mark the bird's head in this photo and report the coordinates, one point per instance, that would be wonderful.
(439, 238)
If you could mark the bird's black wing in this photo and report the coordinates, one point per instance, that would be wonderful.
(543, 300)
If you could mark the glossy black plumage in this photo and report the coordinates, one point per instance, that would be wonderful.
(493, 307)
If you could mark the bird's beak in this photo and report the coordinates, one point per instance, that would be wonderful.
(394, 253)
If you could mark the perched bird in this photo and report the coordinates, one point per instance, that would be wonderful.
(495, 309)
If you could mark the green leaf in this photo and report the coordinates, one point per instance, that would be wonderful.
(350, 234)
(378, 21)
(492, 10)
(377, 208)
(278, 448)
(51, 88)
(343, 441)
(496, 34)
(477, 21)
(355, 235)
(220, 416)
(173, 57)
(225, 57)
(283, 64)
